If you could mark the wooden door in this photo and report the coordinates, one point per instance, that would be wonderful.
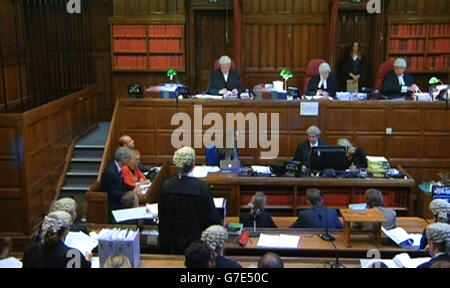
(211, 43)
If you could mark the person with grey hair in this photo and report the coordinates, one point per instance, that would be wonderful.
(438, 235)
(70, 206)
(51, 252)
(440, 209)
(185, 206)
(324, 84)
(257, 213)
(112, 180)
(397, 83)
(225, 81)
(374, 200)
(216, 236)
(303, 152)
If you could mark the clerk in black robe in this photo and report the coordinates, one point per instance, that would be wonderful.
(185, 208)
(397, 83)
(225, 81)
(352, 67)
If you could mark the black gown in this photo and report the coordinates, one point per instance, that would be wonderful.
(263, 220)
(357, 67)
(185, 209)
(303, 152)
(39, 255)
(391, 86)
(359, 159)
(332, 86)
(217, 82)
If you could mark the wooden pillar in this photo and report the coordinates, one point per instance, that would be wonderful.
(238, 34)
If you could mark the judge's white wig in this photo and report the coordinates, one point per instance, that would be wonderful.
(439, 233)
(215, 236)
(65, 204)
(224, 60)
(400, 63)
(184, 159)
(324, 68)
(313, 130)
(55, 222)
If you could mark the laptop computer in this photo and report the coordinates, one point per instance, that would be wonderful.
(230, 164)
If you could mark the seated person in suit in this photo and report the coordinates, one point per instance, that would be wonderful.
(397, 83)
(127, 141)
(119, 261)
(198, 255)
(112, 180)
(186, 207)
(215, 236)
(51, 252)
(356, 156)
(131, 200)
(257, 213)
(324, 84)
(270, 260)
(69, 205)
(374, 200)
(438, 235)
(225, 81)
(131, 173)
(303, 152)
(318, 216)
(441, 212)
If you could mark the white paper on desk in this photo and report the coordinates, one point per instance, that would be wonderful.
(11, 262)
(403, 238)
(261, 169)
(199, 172)
(144, 187)
(310, 109)
(132, 214)
(218, 202)
(289, 241)
(95, 262)
(208, 97)
(153, 209)
(81, 241)
(404, 261)
(213, 169)
(278, 241)
(266, 240)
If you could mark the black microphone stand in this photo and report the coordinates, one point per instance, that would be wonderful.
(254, 234)
(327, 237)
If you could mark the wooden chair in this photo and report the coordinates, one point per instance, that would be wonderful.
(383, 70)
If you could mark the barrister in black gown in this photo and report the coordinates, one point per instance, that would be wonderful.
(324, 84)
(185, 207)
(51, 252)
(257, 213)
(303, 152)
(215, 236)
(225, 80)
(356, 156)
(397, 83)
(352, 67)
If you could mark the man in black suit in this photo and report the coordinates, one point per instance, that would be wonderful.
(323, 84)
(112, 180)
(398, 84)
(225, 81)
(303, 153)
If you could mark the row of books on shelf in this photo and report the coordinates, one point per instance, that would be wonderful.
(438, 63)
(129, 31)
(440, 30)
(407, 46)
(166, 45)
(166, 62)
(414, 63)
(130, 62)
(405, 30)
(165, 31)
(439, 46)
(123, 45)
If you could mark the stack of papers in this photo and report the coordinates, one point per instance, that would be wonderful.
(402, 238)
(262, 169)
(379, 166)
(208, 97)
(219, 202)
(149, 211)
(81, 241)
(400, 261)
(10, 263)
(144, 187)
(279, 241)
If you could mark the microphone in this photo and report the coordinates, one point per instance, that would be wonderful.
(327, 237)
(253, 213)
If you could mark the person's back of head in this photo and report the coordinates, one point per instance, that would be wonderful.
(129, 200)
(184, 160)
(119, 261)
(440, 209)
(55, 227)
(199, 255)
(270, 260)
(68, 205)
(259, 201)
(123, 155)
(314, 197)
(374, 198)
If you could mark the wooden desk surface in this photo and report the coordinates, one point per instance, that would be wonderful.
(369, 216)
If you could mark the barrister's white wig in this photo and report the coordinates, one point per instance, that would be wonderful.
(439, 233)
(215, 236)
(184, 159)
(55, 222)
(313, 130)
(324, 68)
(66, 204)
(224, 60)
(400, 63)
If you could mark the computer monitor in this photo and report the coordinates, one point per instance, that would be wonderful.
(328, 157)
(441, 192)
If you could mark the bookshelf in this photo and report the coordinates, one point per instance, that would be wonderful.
(425, 45)
(147, 47)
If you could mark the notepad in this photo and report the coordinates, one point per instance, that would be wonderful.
(219, 202)
(403, 238)
(81, 241)
(278, 241)
(134, 213)
(399, 261)
(199, 172)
